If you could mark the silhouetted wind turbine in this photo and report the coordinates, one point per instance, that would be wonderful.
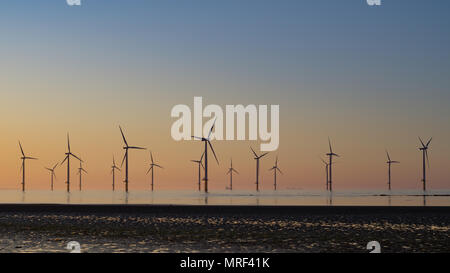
(275, 169)
(207, 142)
(330, 155)
(152, 165)
(389, 162)
(24, 157)
(257, 158)
(113, 169)
(424, 150)
(230, 172)
(68, 154)
(326, 171)
(52, 174)
(80, 171)
(125, 157)
(199, 162)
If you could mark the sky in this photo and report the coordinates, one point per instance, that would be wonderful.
(370, 78)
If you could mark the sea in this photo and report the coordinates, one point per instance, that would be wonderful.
(227, 197)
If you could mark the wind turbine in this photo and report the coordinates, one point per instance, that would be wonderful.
(330, 155)
(152, 165)
(275, 169)
(199, 162)
(389, 162)
(326, 171)
(68, 154)
(52, 174)
(230, 171)
(113, 169)
(24, 158)
(125, 157)
(424, 150)
(80, 171)
(207, 142)
(257, 158)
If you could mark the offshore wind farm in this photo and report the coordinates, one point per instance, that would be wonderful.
(240, 197)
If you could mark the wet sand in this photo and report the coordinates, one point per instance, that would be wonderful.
(163, 228)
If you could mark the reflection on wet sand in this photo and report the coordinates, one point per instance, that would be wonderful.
(281, 198)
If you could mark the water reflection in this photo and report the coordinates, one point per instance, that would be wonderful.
(279, 198)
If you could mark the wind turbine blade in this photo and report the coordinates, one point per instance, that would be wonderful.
(20, 145)
(55, 166)
(125, 155)
(151, 156)
(68, 143)
(212, 127)
(77, 157)
(428, 143)
(33, 158)
(65, 158)
(48, 169)
(329, 144)
(253, 151)
(114, 161)
(123, 136)
(423, 145)
(136, 148)
(214, 153)
(159, 166)
(263, 155)
(199, 138)
(203, 154)
(229, 170)
(389, 158)
(279, 170)
(54, 175)
(235, 171)
(201, 163)
(150, 169)
(84, 170)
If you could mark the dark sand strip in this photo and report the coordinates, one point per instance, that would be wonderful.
(218, 210)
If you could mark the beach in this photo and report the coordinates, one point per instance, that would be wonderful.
(235, 229)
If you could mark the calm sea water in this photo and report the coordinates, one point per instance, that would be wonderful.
(281, 198)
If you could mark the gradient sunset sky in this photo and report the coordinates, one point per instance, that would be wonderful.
(370, 78)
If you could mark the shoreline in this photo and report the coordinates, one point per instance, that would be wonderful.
(217, 209)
